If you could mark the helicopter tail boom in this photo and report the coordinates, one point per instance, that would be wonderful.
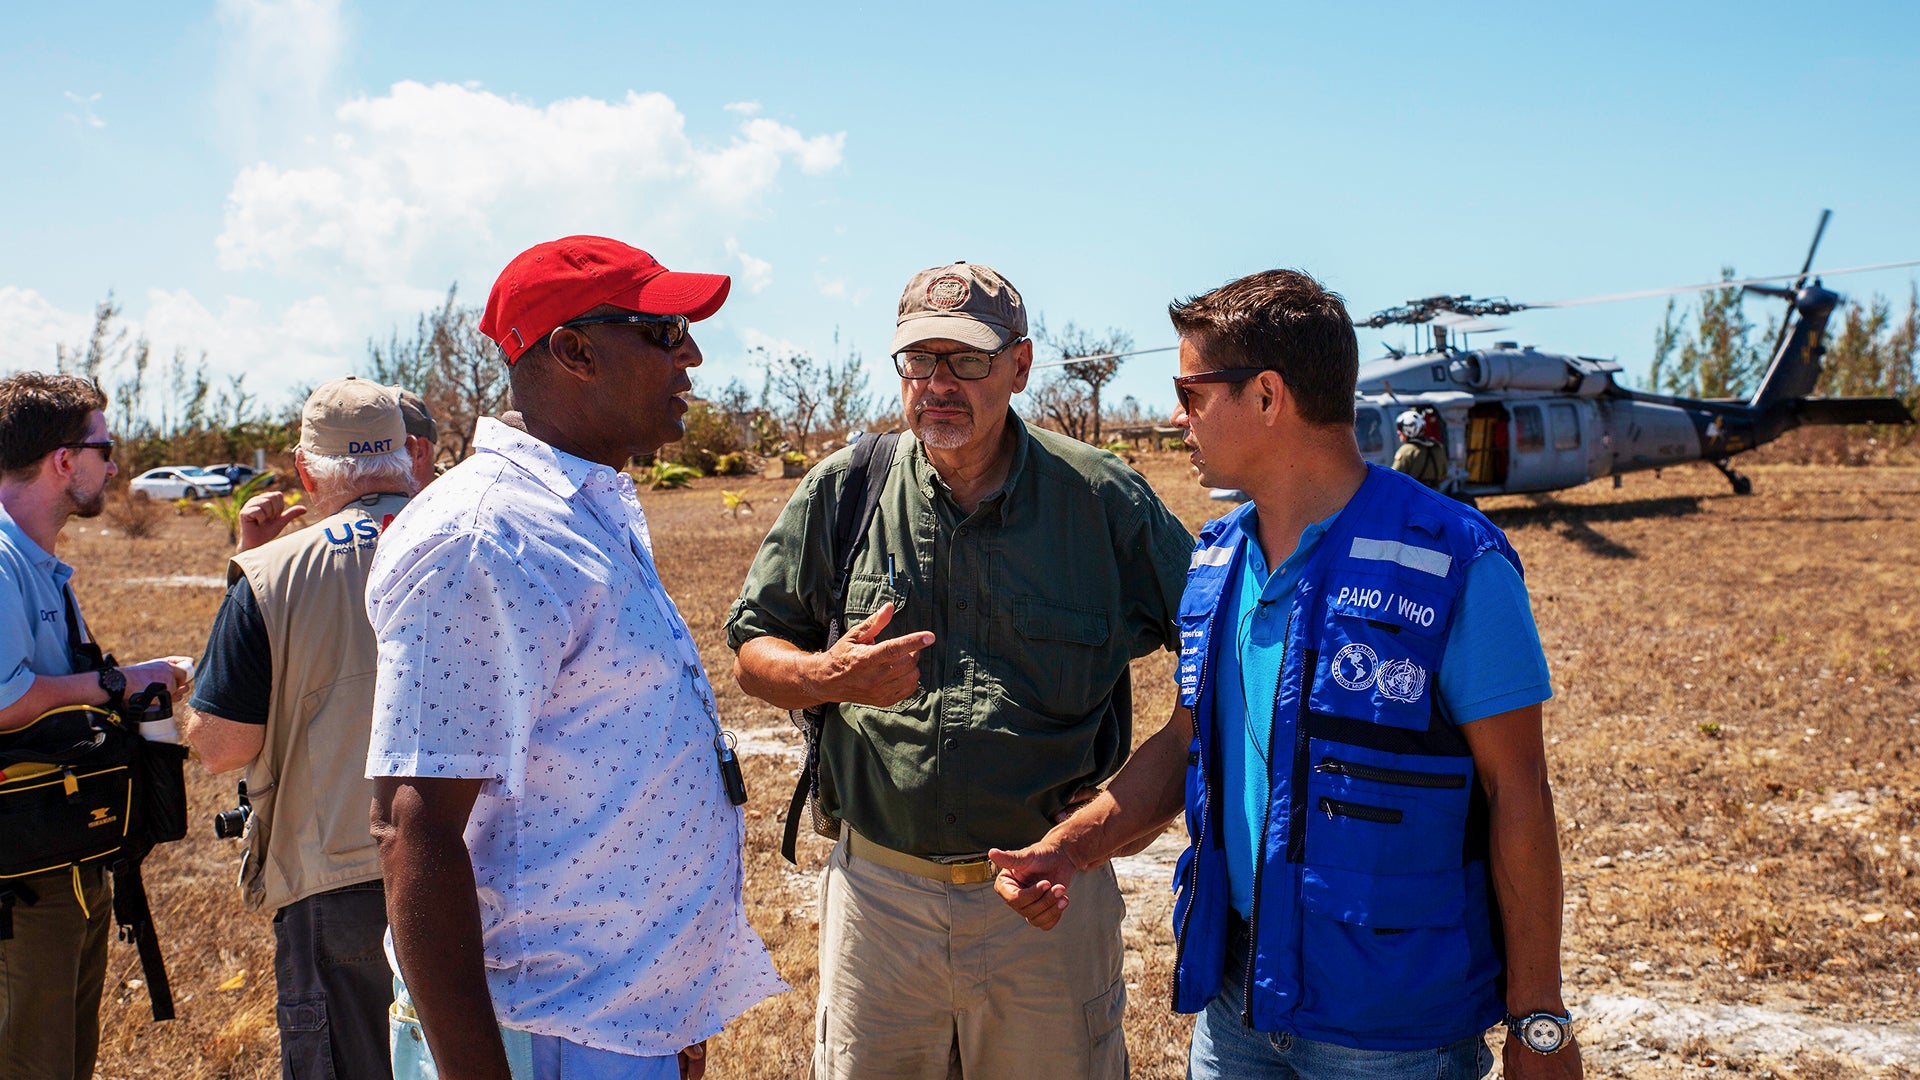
(1852, 410)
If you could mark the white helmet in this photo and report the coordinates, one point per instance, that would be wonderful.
(1410, 423)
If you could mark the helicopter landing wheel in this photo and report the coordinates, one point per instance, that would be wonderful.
(1742, 485)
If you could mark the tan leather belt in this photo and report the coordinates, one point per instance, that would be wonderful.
(969, 872)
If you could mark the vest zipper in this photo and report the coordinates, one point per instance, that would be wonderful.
(1199, 837)
(1383, 815)
(1266, 822)
(1404, 777)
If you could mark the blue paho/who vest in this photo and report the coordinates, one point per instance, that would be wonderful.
(1372, 925)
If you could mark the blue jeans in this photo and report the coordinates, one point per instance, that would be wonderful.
(1226, 1049)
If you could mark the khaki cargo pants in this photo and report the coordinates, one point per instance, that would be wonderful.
(926, 980)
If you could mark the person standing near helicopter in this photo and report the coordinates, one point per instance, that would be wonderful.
(1421, 454)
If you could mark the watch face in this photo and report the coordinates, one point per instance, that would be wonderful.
(1542, 1033)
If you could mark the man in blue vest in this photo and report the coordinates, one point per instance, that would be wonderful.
(1373, 877)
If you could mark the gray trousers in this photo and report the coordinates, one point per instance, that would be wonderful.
(334, 986)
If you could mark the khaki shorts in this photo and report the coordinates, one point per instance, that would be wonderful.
(926, 980)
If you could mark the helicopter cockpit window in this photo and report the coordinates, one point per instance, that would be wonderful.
(1366, 431)
(1566, 427)
(1530, 437)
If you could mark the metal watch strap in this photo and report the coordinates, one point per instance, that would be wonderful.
(1516, 1027)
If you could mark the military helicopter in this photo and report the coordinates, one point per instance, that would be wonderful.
(1514, 420)
(1517, 420)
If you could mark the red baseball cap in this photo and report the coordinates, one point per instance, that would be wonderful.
(549, 283)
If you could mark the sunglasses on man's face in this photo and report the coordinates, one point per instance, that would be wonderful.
(666, 331)
(968, 366)
(1224, 375)
(105, 447)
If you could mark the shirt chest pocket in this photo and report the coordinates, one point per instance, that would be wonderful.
(1381, 641)
(1059, 662)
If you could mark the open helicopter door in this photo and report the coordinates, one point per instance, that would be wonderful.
(1487, 441)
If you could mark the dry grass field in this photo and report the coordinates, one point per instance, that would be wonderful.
(1734, 743)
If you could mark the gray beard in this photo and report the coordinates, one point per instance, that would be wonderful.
(945, 435)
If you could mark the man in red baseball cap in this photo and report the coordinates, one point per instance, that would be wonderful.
(561, 855)
(549, 284)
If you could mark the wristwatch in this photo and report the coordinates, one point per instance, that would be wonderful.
(114, 682)
(1541, 1032)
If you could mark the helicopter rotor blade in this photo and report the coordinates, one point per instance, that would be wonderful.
(1101, 356)
(1801, 282)
(1818, 231)
(1711, 285)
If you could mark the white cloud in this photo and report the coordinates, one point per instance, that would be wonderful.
(86, 116)
(744, 108)
(756, 274)
(304, 342)
(771, 345)
(428, 184)
(34, 327)
(277, 64)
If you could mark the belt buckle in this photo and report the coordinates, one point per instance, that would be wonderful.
(967, 871)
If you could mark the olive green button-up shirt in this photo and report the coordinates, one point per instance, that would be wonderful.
(1037, 602)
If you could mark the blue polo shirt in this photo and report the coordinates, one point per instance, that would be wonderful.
(33, 613)
(1493, 664)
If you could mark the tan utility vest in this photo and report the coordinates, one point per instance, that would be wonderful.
(308, 785)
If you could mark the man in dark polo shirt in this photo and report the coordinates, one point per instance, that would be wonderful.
(1008, 578)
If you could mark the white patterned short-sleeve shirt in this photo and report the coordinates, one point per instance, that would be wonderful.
(526, 640)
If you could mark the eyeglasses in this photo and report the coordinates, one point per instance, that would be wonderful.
(666, 331)
(916, 365)
(105, 448)
(1223, 375)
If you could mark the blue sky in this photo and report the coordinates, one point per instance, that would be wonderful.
(274, 183)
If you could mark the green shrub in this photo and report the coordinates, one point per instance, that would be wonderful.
(730, 464)
(669, 474)
(711, 434)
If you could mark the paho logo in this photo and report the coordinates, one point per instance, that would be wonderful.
(1357, 667)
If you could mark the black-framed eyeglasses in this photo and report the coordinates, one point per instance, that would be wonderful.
(105, 447)
(1223, 375)
(666, 331)
(916, 364)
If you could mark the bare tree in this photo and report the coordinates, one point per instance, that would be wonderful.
(1063, 404)
(808, 397)
(1093, 374)
(458, 371)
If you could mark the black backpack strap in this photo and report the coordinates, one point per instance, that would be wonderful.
(852, 518)
(131, 911)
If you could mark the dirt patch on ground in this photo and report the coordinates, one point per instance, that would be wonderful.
(1734, 740)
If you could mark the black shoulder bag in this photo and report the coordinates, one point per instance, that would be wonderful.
(852, 517)
(79, 785)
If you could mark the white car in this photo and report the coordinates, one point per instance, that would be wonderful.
(179, 481)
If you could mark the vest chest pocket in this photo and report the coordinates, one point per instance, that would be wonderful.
(1381, 641)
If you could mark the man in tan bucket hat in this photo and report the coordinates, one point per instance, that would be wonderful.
(1006, 580)
(285, 690)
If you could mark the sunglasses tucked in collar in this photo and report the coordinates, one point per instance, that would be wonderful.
(666, 331)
